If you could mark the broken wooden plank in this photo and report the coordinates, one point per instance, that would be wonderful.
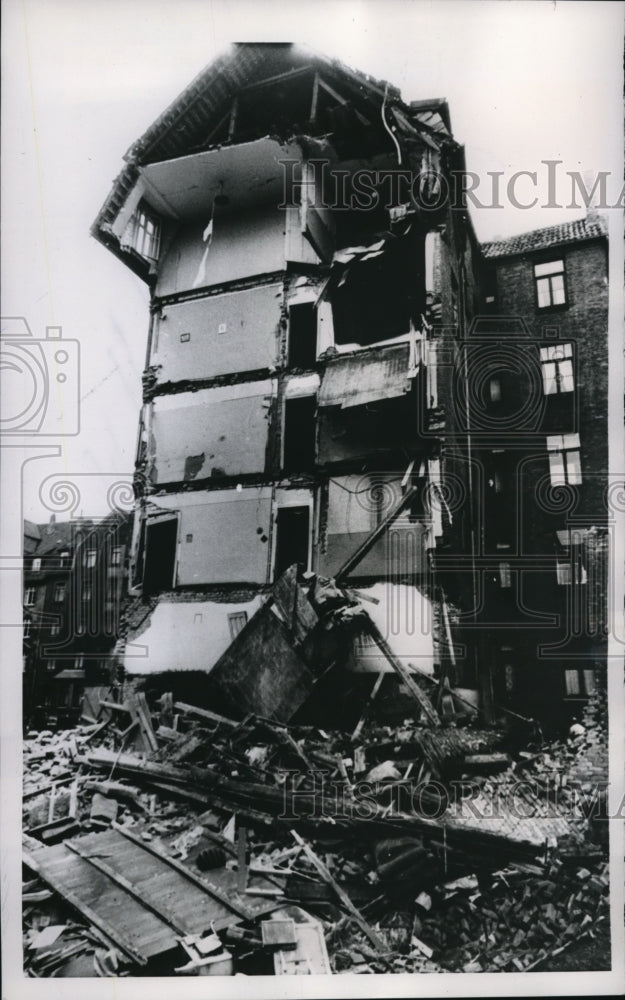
(242, 860)
(373, 695)
(87, 911)
(209, 888)
(120, 880)
(146, 720)
(417, 693)
(204, 713)
(370, 541)
(340, 892)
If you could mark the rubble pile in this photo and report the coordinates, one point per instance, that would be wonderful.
(399, 849)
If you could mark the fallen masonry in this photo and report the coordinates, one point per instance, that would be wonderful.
(169, 839)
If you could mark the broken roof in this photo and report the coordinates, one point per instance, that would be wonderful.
(591, 228)
(203, 116)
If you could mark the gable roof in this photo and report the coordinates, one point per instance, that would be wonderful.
(208, 115)
(591, 228)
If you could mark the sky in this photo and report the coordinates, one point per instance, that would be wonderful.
(82, 79)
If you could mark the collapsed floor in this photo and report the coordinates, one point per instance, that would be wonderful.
(167, 839)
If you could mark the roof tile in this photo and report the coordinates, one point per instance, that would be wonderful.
(590, 228)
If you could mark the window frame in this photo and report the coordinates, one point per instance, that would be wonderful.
(30, 595)
(59, 588)
(236, 618)
(558, 377)
(548, 277)
(147, 245)
(567, 471)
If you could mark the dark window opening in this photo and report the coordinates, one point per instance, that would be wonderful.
(299, 433)
(292, 538)
(376, 300)
(160, 555)
(302, 335)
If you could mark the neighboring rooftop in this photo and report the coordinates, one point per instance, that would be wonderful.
(591, 228)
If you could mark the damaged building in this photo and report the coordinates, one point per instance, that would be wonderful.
(368, 558)
(291, 393)
(309, 387)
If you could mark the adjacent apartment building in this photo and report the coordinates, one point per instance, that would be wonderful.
(314, 312)
(75, 579)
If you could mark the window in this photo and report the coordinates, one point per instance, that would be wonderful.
(29, 596)
(570, 572)
(564, 459)
(146, 234)
(59, 592)
(557, 367)
(86, 592)
(55, 629)
(51, 666)
(64, 558)
(237, 621)
(572, 682)
(505, 576)
(549, 278)
(494, 388)
(91, 558)
(79, 661)
(116, 555)
(36, 565)
(27, 629)
(302, 335)
(579, 683)
(159, 566)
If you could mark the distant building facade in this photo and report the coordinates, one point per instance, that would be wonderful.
(75, 577)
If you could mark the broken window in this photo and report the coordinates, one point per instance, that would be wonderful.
(564, 459)
(160, 554)
(376, 295)
(29, 596)
(292, 538)
(299, 433)
(550, 289)
(237, 622)
(302, 335)
(557, 368)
